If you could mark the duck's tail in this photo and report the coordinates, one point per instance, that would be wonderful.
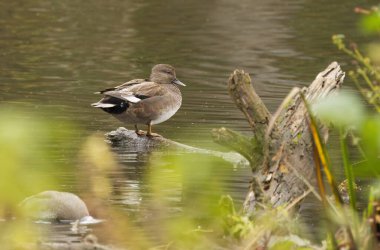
(103, 105)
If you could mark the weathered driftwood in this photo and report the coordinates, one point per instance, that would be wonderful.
(290, 158)
(241, 90)
(128, 140)
(282, 154)
(237, 142)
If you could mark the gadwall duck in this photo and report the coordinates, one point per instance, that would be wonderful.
(144, 101)
(54, 205)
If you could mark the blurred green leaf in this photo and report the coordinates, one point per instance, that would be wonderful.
(370, 24)
(191, 174)
(23, 162)
(28, 144)
(370, 132)
(288, 245)
(370, 143)
(367, 169)
(344, 109)
(374, 52)
(284, 245)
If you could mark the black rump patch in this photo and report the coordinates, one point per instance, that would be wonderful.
(121, 105)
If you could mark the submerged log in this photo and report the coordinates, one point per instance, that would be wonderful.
(128, 140)
(282, 149)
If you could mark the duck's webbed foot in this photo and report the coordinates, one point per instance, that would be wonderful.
(153, 135)
(139, 132)
(149, 133)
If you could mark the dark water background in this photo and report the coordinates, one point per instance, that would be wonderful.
(55, 54)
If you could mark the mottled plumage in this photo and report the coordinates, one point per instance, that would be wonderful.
(144, 101)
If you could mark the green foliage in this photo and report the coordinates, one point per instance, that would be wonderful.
(288, 245)
(284, 245)
(23, 146)
(370, 23)
(329, 110)
(365, 126)
(360, 123)
(366, 76)
(322, 158)
(206, 221)
(235, 225)
(370, 145)
(347, 112)
(347, 169)
(26, 168)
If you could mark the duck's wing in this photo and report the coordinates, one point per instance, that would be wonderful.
(131, 93)
(122, 86)
(137, 92)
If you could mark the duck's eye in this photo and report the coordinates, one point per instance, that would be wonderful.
(167, 72)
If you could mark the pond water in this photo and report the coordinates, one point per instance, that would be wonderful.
(55, 54)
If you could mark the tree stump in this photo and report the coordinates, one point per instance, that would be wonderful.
(281, 149)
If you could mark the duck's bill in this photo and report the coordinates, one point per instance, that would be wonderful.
(176, 81)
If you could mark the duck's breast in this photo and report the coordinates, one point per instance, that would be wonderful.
(169, 105)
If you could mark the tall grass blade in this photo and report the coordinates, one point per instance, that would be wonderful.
(318, 171)
(348, 169)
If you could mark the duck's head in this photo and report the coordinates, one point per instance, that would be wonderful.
(164, 74)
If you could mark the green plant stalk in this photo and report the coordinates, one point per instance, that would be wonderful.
(331, 242)
(371, 199)
(359, 147)
(365, 61)
(369, 83)
(349, 175)
(357, 85)
(364, 66)
(373, 89)
(366, 78)
(347, 169)
(355, 53)
(362, 90)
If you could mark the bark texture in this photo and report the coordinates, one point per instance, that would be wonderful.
(289, 161)
(246, 99)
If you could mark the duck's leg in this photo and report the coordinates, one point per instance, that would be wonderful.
(149, 133)
(139, 132)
